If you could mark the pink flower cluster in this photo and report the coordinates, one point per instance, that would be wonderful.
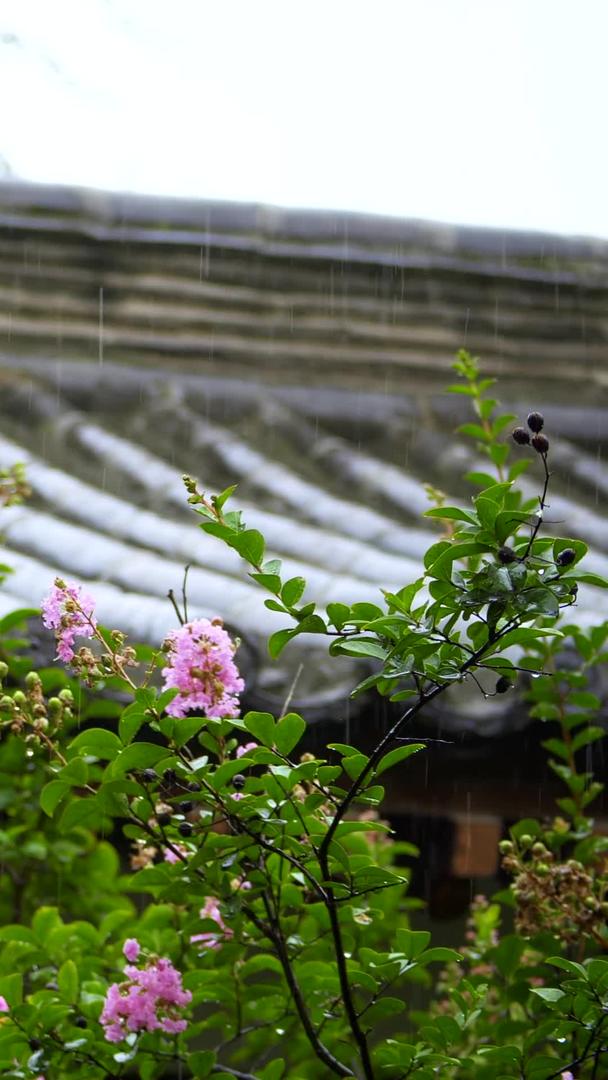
(201, 666)
(70, 613)
(149, 999)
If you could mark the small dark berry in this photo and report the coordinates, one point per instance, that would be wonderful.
(536, 421)
(185, 807)
(506, 555)
(163, 819)
(193, 786)
(566, 557)
(521, 436)
(184, 828)
(81, 1021)
(149, 775)
(503, 685)
(540, 443)
(170, 776)
(35, 1044)
(238, 781)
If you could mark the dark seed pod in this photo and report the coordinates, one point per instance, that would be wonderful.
(536, 421)
(503, 685)
(520, 436)
(238, 781)
(193, 786)
(566, 557)
(149, 775)
(184, 828)
(185, 807)
(163, 819)
(540, 443)
(506, 555)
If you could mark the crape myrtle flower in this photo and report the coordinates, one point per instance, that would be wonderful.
(149, 998)
(69, 611)
(201, 666)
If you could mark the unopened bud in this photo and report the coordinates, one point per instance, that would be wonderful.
(539, 849)
(19, 698)
(54, 706)
(32, 680)
(520, 436)
(525, 840)
(566, 557)
(505, 847)
(536, 421)
(540, 444)
(503, 685)
(506, 555)
(66, 696)
(3, 669)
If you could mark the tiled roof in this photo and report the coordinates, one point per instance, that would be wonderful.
(300, 354)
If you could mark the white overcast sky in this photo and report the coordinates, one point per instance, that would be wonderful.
(490, 112)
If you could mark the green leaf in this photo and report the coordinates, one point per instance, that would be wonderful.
(293, 590)
(288, 732)
(131, 720)
(338, 614)
(412, 942)
(362, 647)
(548, 993)
(590, 734)
(442, 566)
(278, 641)
(401, 753)
(261, 725)
(440, 955)
(97, 742)
(219, 500)
(68, 982)
(80, 813)
(201, 1062)
(570, 966)
(250, 546)
(452, 513)
(139, 755)
(51, 795)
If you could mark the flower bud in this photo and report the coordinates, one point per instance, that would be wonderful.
(19, 698)
(55, 705)
(525, 841)
(505, 847)
(566, 557)
(32, 680)
(540, 444)
(6, 702)
(3, 669)
(506, 555)
(520, 436)
(66, 696)
(539, 849)
(536, 421)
